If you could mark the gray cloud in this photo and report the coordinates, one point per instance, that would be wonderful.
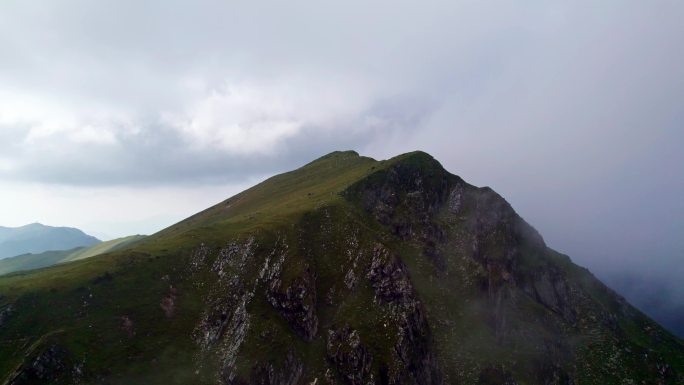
(168, 90)
(573, 111)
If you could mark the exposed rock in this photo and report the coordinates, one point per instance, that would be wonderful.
(296, 303)
(224, 325)
(49, 366)
(420, 186)
(199, 257)
(455, 201)
(389, 277)
(235, 335)
(350, 279)
(349, 357)
(550, 288)
(225, 296)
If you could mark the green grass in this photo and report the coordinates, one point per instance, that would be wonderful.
(35, 261)
(104, 247)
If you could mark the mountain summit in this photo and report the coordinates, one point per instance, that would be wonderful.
(345, 271)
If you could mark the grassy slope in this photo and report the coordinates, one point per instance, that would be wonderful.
(104, 247)
(85, 299)
(81, 304)
(35, 261)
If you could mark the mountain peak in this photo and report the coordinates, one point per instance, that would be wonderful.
(341, 154)
(345, 271)
(335, 156)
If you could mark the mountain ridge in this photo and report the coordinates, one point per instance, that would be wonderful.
(345, 271)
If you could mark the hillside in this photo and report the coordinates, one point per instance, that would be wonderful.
(53, 257)
(37, 238)
(346, 271)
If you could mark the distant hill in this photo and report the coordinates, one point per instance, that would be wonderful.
(53, 257)
(37, 238)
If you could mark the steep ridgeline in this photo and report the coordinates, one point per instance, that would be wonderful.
(346, 271)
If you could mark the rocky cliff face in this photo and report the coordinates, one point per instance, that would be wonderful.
(403, 274)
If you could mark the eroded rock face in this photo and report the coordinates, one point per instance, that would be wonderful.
(227, 298)
(550, 288)
(296, 303)
(419, 188)
(349, 356)
(389, 277)
(225, 322)
(393, 288)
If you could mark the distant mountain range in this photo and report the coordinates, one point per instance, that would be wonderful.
(48, 258)
(38, 238)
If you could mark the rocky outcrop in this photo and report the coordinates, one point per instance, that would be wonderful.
(550, 288)
(349, 356)
(225, 322)
(412, 349)
(406, 195)
(296, 303)
(227, 297)
(389, 277)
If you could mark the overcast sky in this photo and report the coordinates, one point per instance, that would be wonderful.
(123, 117)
